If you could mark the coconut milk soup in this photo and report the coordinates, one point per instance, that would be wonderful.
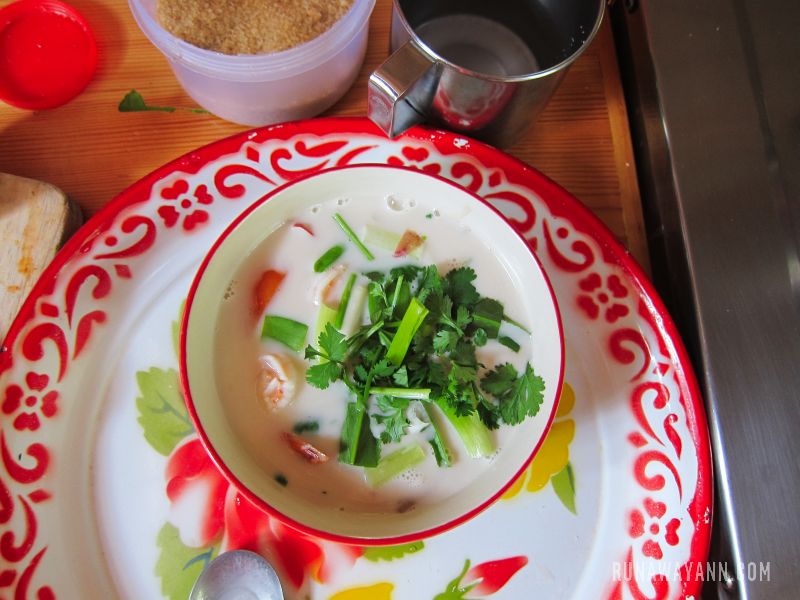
(293, 428)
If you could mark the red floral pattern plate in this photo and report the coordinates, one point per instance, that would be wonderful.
(106, 491)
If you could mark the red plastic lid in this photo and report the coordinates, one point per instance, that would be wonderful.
(48, 54)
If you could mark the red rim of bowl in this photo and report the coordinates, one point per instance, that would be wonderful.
(260, 502)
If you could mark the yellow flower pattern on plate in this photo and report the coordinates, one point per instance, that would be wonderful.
(552, 460)
(379, 591)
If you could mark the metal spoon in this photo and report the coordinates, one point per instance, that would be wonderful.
(238, 575)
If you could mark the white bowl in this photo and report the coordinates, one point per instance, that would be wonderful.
(207, 295)
(262, 89)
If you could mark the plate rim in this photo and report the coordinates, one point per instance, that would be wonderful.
(559, 200)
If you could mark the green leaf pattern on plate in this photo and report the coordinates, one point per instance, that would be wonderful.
(179, 566)
(564, 487)
(388, 553)
(162, 413)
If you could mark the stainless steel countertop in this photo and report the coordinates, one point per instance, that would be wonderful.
(714, 89)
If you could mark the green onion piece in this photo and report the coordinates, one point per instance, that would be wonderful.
(397, 287)
(440, 451)
(415, 315)
(357, 444)
(392, 465)
(288, 332)
(329, 257)
(388, 240)
(306, 427)
(398, 392)
(353, 315)
(487, 315)
(509, 343)
(353, 237)
(348, 288)
(474, 434)
(326, 315)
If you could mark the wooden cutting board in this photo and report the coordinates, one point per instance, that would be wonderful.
(35, 219)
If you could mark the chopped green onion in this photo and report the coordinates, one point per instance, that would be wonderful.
(392, 465)
(487, 315)
(509, 343)
(306, 427)
(328, 258)
(353, 237)
(357, 444)
(397, 287)
(388, 240)
(440, 451)
(288, 332)
(398, 392)
(415, 315)
(355, 309)
(348, 288)
(474, 434)
(326, 315)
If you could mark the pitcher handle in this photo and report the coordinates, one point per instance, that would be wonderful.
(401, 90)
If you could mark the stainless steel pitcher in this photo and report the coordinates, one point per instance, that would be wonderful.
(485, 68)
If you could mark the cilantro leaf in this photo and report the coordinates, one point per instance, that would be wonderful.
(333, 343)
(444, 341)
(430, 285)
(383, 368)
(400, 376)
(519, 396)
(498, 381)
(392, 417)
(463, 318)
(460, 287)
(323, 374)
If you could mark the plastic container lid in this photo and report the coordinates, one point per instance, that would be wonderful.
(48, 54)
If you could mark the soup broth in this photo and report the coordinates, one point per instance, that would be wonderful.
(317, 415)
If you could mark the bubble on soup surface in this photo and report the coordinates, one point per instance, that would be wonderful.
(411, 477)
(412, 203)
(395, 204)
(315, 208)
(229, 291)
(436, 213)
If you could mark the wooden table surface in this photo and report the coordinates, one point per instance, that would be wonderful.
(92, 151)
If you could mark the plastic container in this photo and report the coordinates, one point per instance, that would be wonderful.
(261, 89)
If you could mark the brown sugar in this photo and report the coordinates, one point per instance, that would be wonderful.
(249, 26)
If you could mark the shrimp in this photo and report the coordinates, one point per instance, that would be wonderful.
(277, 380)
(325, 284)
(305, 449)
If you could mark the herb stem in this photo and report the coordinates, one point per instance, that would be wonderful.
(412, 319)
(398, 392)
(353, 237)
(348, 289)
(511, 321)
